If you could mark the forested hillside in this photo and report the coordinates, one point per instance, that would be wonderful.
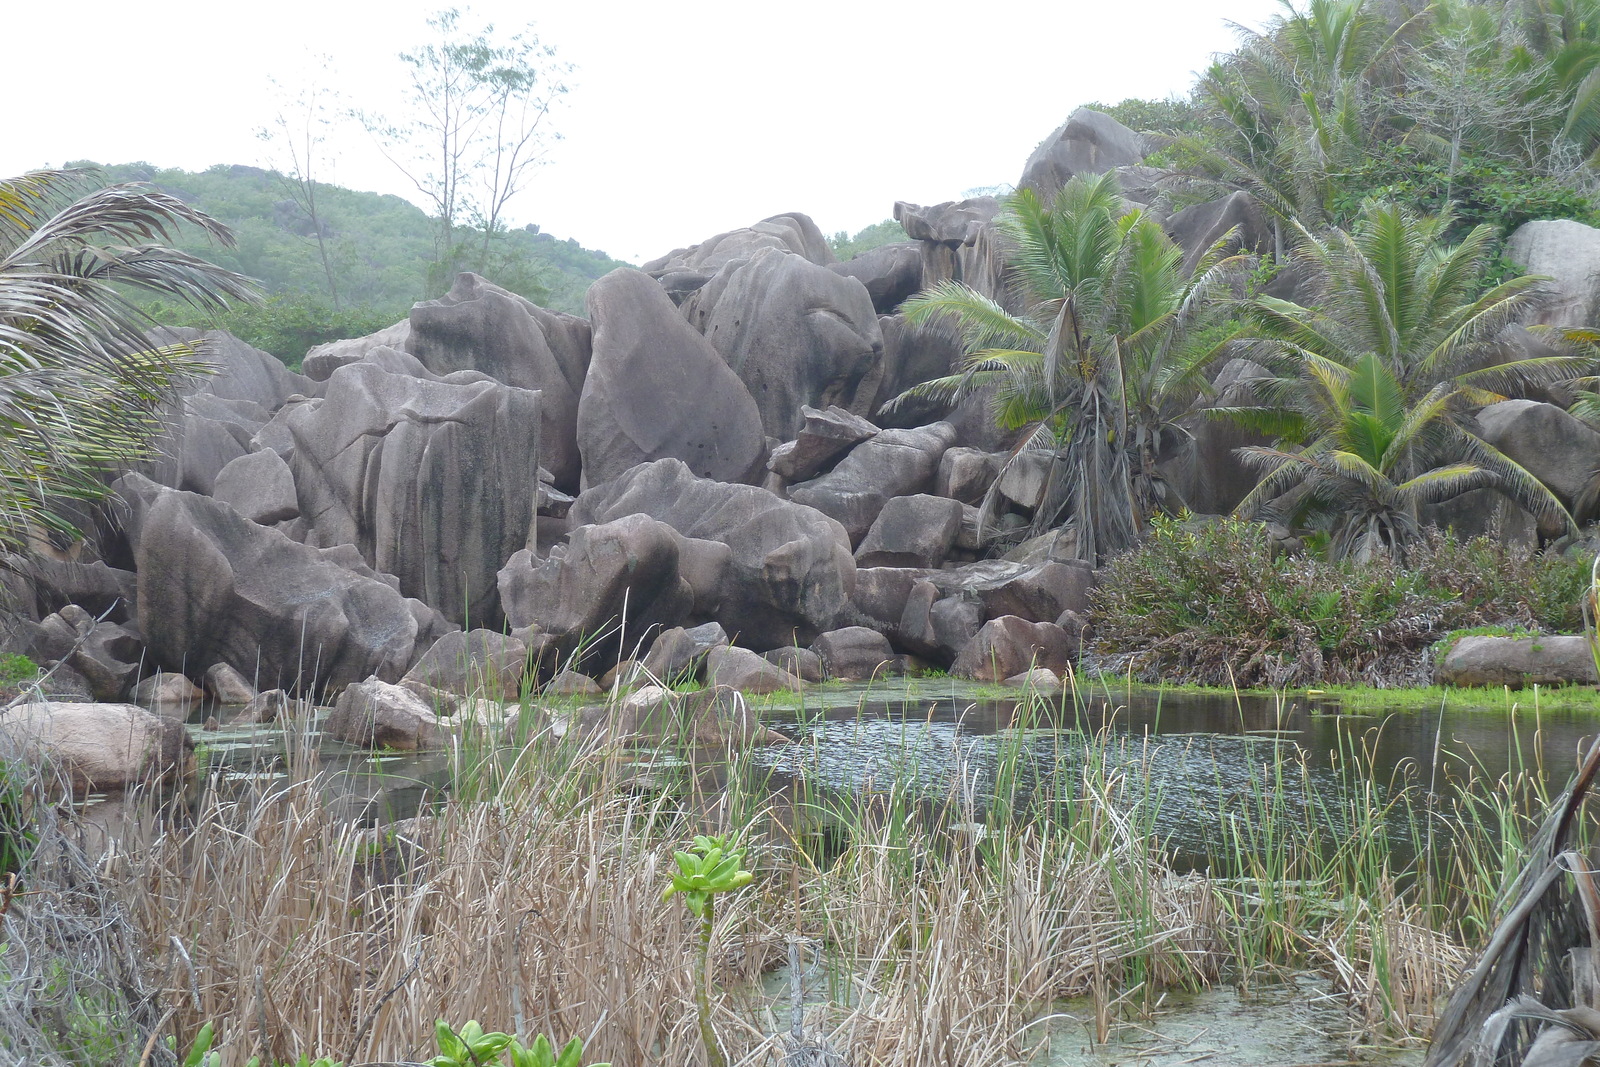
(379, 249)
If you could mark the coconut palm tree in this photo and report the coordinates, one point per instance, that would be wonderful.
(1103, 360)
(80, 387)
(1378, 373)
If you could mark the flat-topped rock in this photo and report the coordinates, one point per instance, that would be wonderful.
(1517, 662)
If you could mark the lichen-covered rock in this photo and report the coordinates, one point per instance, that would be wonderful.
(99, 747)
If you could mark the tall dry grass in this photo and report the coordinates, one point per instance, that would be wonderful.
(531, 901)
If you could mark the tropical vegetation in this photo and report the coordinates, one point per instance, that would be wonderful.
(81, 387)
(1105, 357)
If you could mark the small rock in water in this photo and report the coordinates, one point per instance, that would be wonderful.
(211, 725)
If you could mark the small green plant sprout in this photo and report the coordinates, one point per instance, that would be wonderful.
(200, 1054)
(468, 1047)
(711, 866)
(542, 1054)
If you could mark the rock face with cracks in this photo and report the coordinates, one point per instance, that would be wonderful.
(482, 327)
(789, 572)
(433, 481)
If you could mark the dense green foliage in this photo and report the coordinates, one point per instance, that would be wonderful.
(1106, 358)
(379, 246)
(877, 235)
(81, 389)
(1216, 604)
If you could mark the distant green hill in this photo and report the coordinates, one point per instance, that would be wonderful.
(380, 248)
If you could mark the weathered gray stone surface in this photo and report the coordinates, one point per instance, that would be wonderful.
(1236, 217)
(1214, 480)
(1089, 142)
(965, 474)
(1038, 592)
(1009, 646)
(322, 360)
(1517, 662)
(937, 626)
(894, 463)
(1041, 680)
(484, 662)
(803, 663)
(891, 273)
(482, 327)
(433, 481)
(657, 389)
(173, 692)
(793, 232)
(267, 707)
(105, 654)
(1569, 253)
(824, 436)
(854, 654)
(911, 531)
(881, 592)
(623, 571)
(216, 587)
(572, 683)
(955, 222)
(790, 570)
(240, 371)
(259, 486)
(376, 714)
(1550, 444)
(795, 333)
(94, 587)
(678, 653)
(228, 686)
(99, 747)
(741, 669)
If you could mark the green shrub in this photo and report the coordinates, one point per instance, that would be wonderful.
(1215, 604)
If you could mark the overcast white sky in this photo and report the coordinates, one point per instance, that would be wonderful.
(684, 119)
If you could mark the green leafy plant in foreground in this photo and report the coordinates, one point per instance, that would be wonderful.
(472, 1046)
(711, 866)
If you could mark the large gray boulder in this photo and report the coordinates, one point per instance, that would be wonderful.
(854, 654)
(614, 580)
(1089, 142)
(98, 747)
(259, 486)
(911, 531)
(793, 232)
(432, 481)
(894, 463)
(657, 389)
(824, 437)
(954, 222)
(104, 653)
(1210, 478)
(1235, 219)
(322, 360)
(1569, 253)
(1559, 450)
(1517, 662)
(216, 587)
(795, 333)
(741, 669)
(480, 326)
(376, 714)
(238, 371)
(202, 435)
(480, 662)
(1008, 646)
(790, 570)
(891, 273)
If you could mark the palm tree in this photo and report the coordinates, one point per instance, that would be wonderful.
(1370, 460)
(1097, 369)
(1378, 374)
(81, 389)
